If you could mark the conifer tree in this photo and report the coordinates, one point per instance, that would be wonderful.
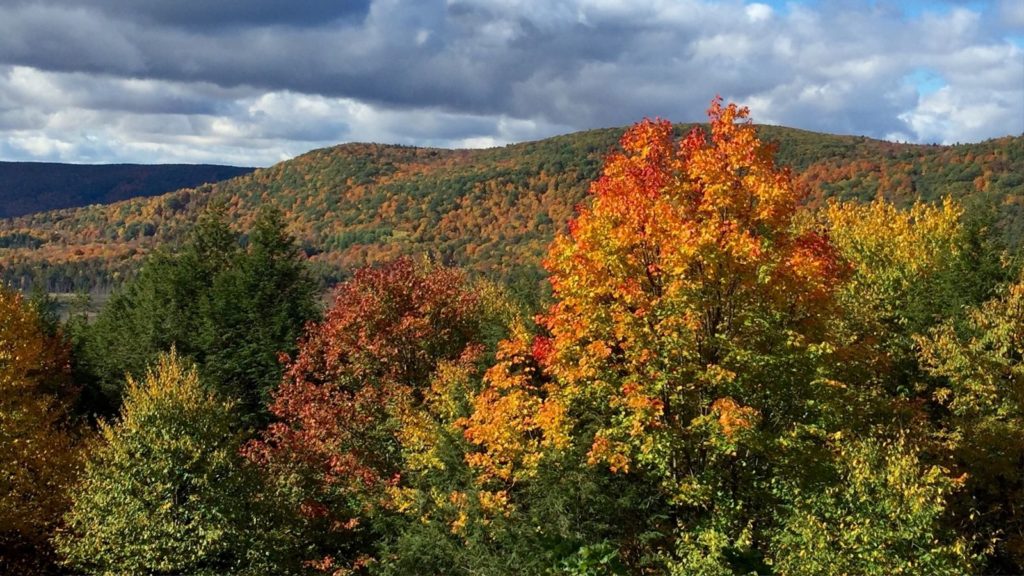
(231, 310)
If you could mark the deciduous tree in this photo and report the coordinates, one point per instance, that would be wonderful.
(167, 491)
(38, 445)
(981, 367)
(336, 448)
(689, 347)
(882, 514)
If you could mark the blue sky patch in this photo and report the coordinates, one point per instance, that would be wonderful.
(926, 81)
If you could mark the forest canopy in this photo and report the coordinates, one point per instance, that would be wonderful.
(727, 378)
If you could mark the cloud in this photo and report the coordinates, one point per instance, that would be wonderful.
(246, 127)
(257, 81)
(204, 14)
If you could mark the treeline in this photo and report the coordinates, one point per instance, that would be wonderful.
(488, 211)
(723, 381)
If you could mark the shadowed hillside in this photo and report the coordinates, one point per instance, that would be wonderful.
(27, 187)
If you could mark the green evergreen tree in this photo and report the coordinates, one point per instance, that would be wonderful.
(158, 309)
(232, 311)
(255, 311)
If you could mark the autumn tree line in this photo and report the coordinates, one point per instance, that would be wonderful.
(490, 211)
(723, 381)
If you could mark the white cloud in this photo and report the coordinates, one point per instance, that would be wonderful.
(258, 128)
(947, 116)
(758, 12)
(82, 82)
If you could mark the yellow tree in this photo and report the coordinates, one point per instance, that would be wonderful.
(981, 366)
(166, 490)
(907, 269)
(38, 457)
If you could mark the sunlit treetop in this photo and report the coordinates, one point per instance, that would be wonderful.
(687, 261)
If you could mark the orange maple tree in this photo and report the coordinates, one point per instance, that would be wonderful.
(688, 297)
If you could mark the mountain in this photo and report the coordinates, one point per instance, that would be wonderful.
(27, 187)
(492, 211)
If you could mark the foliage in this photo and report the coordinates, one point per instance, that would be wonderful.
(691, 348)
(232, 310)
(256, 310)
(336, 447)
(881, 516)
(982, 370)
(679, 296)
(166, 492)
(38, 445)
(594, 560)
(900, 259)
(159, 309)
(910, 269)
(455, 520)
(916, 272)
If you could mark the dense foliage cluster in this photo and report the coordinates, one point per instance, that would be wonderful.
(166, 491)
(38, 442)
(725, 380)
(336, 445)
(230, 309)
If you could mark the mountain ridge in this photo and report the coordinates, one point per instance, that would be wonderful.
(28, 187)
(491, 210)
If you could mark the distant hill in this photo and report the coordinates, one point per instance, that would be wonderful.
(493, 210)
(27, 187)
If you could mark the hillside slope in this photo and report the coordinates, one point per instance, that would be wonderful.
(494, 210)
(27, 187)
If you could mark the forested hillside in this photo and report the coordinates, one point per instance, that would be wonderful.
(27, 187)
(490, 210)
(724, 381)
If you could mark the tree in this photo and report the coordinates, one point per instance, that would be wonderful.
(255, 311)
(981, 367)
(334, 448)
(160, 308)
(167, 492)
(690, 348)
(38, 443)
(232, 311)
(685, 338)
(910, 270)
(883, 514)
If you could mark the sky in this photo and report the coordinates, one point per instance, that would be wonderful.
(254, 82)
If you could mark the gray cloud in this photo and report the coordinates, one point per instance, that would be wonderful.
(254, 82)
(204, 14)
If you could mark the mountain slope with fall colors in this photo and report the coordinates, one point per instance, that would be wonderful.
(492, 211)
